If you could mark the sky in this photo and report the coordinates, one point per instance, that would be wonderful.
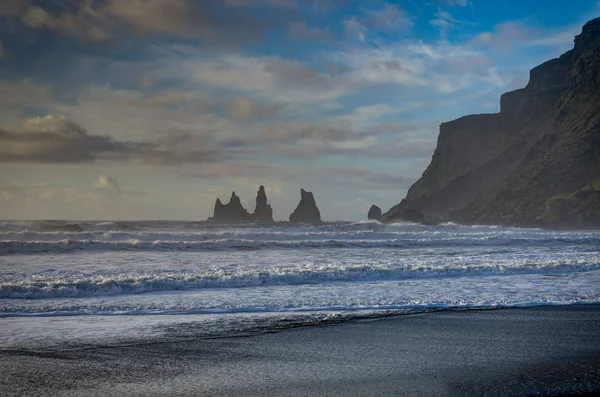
(151, 109)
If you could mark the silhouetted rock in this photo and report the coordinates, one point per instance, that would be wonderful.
(263, 212)
(374, 213)
(307, 211)
(535, 163)
(231, 212)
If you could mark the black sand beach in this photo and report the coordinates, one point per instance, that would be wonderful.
(545, 351)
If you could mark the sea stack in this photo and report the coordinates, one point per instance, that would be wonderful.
(307, 211)
(263, 212)
(231, 212)
(374, 213)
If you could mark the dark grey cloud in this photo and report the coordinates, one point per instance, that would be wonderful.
(213, 22)
(12, 7)
(53, 139)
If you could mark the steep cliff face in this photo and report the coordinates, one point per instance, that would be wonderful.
(534, 163)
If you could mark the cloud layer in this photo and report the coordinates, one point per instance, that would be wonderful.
(122, 103)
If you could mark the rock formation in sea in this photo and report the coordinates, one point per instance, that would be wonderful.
(535, 163)
(374, 213)
(263, 212)
(306, 211)
(235, 212)
(232, 211)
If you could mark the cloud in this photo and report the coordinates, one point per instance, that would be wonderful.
(55, 140)
(262, 3)
(12, 7)
(355, 29)
(508, 35)
(338, 137)
(563, 38)
(100, 21)
(458, 3)
(388, 18)
(296, 87)
(444, 21)
(301, 31)
(52, 139)
(243, 109)
(86, 24)
(107, 182)
(1, 50)
(65, 201)
(17, 94)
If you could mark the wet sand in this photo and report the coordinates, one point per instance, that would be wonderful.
(546, 351)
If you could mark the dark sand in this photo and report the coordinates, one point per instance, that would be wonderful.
(513, 352)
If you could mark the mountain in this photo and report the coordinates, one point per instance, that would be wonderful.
(535, 163)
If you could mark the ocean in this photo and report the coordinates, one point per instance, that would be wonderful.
(98, 283)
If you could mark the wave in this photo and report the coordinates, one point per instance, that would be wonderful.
(329, 312)
(285, 241)
(48, 226)
(128, 284)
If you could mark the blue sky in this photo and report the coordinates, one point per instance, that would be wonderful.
(151, 109)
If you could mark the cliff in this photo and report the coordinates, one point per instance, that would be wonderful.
(307, 210)
(535, 163)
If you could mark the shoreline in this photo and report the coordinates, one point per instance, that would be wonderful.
(548, 350)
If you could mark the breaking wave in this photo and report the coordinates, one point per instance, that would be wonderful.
(126, 284)
(62, 237)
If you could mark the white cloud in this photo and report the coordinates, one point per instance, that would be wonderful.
(389, 18)
(444, 21)
(243, 109)
(107, 182)
(509, 35)
(355, 29)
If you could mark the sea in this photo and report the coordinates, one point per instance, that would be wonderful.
(66, 283)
